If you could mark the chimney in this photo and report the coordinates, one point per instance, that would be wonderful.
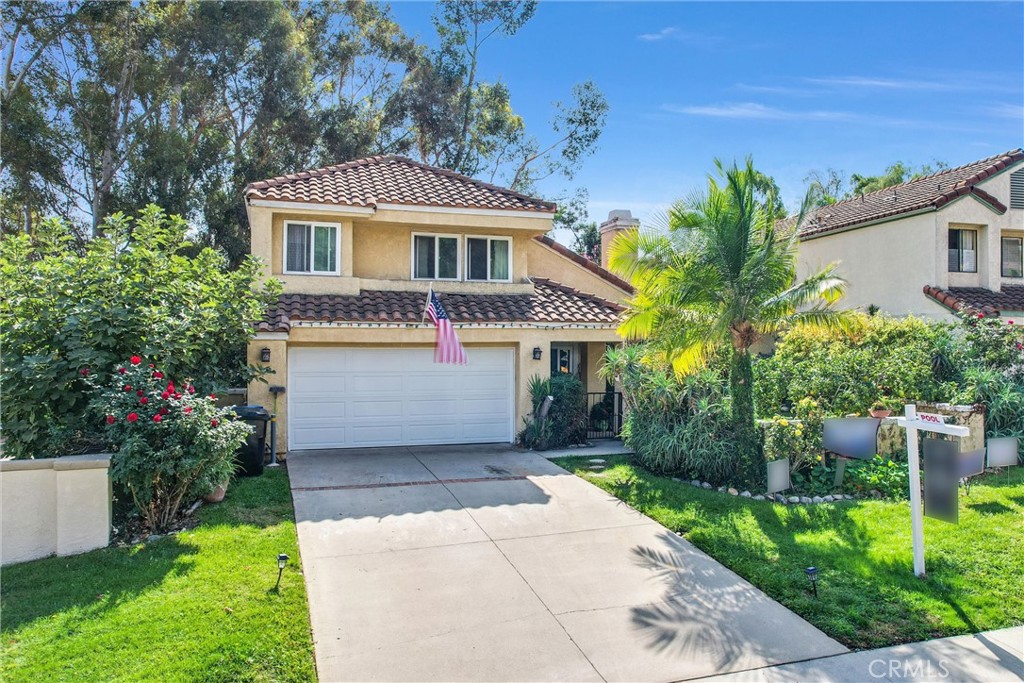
(618, 221)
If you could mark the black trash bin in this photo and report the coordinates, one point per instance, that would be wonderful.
(249, 457)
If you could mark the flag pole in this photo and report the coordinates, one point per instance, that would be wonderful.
(426, 304)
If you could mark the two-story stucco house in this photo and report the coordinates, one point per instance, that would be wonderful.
(358, 245)
(935, 245)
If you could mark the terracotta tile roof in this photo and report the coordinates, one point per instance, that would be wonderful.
(979, 299)
(392, 180)
(929, 192)
(586, 263)
(551, 302)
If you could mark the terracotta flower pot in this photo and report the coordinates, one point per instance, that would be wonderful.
(880, 413)
(217, 495)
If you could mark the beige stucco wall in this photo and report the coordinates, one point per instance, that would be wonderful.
(888, 264)
(53, 506)
(547, 263)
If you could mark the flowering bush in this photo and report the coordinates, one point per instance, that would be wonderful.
(799, 439)
(171, 444)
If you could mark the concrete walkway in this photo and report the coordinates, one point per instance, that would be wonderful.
(991, 657)
(486, 564)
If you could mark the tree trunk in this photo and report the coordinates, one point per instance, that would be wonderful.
(741, 384)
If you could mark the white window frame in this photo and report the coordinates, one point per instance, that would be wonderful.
(489, 239)
(311, 224)
(961, 251)
(437, 256)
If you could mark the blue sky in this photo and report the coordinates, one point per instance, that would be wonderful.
(798, 85)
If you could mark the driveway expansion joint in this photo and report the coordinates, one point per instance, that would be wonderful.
(395, 484)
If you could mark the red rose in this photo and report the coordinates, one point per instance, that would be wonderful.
(158, 375)
(213, 397)
(151, 366)
(143, 400)
(133, 417)
(1009, 322)
(213, 423)
(127, 387)
(177, 396)
(135, 360)
(170, 387)
(191, 389)
(158, 418)
(165, 396)
(122, 370)
(140, 392)
(164, 411)
(187, 409)
(980, 316)
(111, 419)
(84, 372)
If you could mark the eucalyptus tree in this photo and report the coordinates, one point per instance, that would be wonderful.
(720, 279)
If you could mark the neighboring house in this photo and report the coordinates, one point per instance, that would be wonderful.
(357, 246)
(929, 247)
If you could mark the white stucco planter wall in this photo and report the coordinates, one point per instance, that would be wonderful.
(54, 506)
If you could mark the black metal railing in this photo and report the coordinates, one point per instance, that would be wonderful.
(604, 413)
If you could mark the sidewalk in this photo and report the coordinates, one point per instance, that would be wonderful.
(600, 448)
(991, 657)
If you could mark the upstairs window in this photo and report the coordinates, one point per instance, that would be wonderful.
(1013, 251)
(435, 257)
(963, 251)
(312, 248)
(489, 259)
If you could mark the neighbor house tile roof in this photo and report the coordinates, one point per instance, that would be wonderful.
(392, 180)
(594, 268)
(928, 192)
(979, 299)
(551, 302)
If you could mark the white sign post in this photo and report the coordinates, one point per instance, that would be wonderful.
(915, 422)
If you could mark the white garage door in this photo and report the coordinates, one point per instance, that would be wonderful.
(349, 397)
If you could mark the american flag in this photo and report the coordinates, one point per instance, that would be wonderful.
(447, 347)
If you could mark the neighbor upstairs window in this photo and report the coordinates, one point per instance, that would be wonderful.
(435, 257)
(963, 251)
(489, 259)
(1013, 263)
(312, 248)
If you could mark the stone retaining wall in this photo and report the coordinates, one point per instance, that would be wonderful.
(54, 506)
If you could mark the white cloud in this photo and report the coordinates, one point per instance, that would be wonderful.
(676, 35)
(756, 111)
(882, 83)
(1005, 111)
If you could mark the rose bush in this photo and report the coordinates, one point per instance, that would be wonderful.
(171, 444)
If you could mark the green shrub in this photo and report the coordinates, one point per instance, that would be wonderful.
(888, 359)
(140, 287)
(676, 425)
(171, 444)
(889, 477)
(566, 422)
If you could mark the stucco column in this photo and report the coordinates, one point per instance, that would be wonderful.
(259, 392)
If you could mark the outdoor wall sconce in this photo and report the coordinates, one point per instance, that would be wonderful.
(282, 560)
(265, 355)
(812, 576)
(537, 352)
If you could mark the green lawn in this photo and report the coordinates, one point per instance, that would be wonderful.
(868, 595)
(197, 606)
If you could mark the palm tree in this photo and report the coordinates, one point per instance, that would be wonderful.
(720, 278)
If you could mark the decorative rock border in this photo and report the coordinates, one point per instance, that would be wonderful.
(773, 497)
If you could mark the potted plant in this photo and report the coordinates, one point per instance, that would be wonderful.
(878, 409)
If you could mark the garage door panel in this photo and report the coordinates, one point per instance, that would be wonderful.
(379, 410)
(316, 383)
(349, 397)
(385, 382)
(329, 410)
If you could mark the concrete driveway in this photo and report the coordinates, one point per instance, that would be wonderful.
(479, 563)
